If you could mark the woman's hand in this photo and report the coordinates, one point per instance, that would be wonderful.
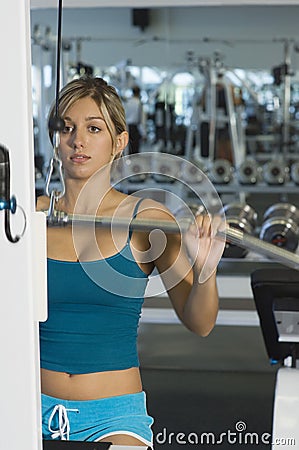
(203, 246)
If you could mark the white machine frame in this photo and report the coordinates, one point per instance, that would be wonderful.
(23, 264)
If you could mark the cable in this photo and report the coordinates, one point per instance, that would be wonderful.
(56, 123)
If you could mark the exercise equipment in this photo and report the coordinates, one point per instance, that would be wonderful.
(275, 172)
(220, 111)
(23, 264)
(8, 204)
(189, 210)
(276, 296)
(230, 234)
(56, 123)
(221, 171)
(135, 170)
(295, 172)
(165, 169)
(280, 226)
(194, 172)
(248, 172)
(243, 218)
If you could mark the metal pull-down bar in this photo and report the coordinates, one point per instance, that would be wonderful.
(231, 235)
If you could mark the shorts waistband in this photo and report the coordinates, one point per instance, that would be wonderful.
(89, 407)
(93, 419)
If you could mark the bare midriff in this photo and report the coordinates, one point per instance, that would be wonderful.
(90, 386)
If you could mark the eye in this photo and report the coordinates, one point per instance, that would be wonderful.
(67, 129)
(94, 129)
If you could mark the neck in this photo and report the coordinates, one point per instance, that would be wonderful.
(84, 197)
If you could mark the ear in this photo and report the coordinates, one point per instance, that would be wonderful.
(122, 140)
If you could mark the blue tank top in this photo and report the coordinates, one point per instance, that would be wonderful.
(93, 314)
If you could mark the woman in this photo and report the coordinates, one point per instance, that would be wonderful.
(91, 386)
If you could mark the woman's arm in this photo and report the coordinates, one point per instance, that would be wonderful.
(42, 203)
(183, 263)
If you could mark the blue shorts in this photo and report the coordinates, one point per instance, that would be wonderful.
(93, 420)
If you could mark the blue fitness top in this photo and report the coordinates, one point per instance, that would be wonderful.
(93, 314)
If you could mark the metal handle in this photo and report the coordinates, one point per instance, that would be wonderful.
(7, 203)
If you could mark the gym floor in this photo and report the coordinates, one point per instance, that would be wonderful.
(222, 385)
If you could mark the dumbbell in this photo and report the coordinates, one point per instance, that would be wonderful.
(248, 172)
(164, 170)
(295, 172)
(136, 170)
(221, 171)
(275, 172)
(242, 217)
(192, 172)
(280, 226)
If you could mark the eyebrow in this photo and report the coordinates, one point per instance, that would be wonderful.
(87, 118)
(94, 118)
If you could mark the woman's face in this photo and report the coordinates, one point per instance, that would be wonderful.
(85, 142)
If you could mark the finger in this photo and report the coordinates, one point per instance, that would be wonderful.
(204, 225)
(215, 251)
(218, 224)
(212, 260)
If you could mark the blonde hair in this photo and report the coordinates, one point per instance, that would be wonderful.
(103, 94)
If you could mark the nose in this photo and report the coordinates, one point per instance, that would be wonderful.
(79, 139)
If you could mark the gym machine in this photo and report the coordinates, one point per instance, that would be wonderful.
(276, 295)
(215, 109)
(23, 263)
(20, 310)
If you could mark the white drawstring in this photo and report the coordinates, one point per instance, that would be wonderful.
(63, 422)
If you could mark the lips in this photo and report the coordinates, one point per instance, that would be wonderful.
(80, 158)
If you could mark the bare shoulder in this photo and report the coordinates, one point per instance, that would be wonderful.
(42, 203)
(154, 210)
